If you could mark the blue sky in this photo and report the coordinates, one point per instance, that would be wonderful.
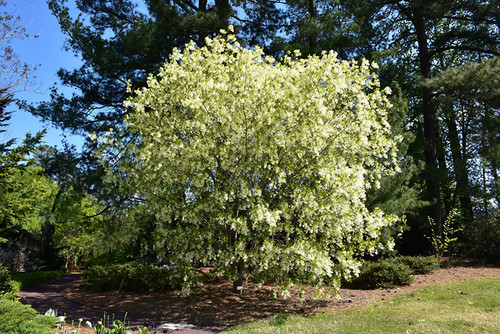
(46, 50)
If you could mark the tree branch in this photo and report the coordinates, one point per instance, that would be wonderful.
(464, 48)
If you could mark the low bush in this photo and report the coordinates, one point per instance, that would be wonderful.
(5, 280)
(16, 318)
(382, 274)
(419, 264)
(482, 238)
(25, 280)
(135, 276)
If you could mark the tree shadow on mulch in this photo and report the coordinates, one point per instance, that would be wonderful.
(212, 304)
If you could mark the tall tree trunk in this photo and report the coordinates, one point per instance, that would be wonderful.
(485, 190)
(430, 126)
(491, 138)
(223, 11)
(496, 182)
(202, 5)
(313, 36)
(238, 283)
(459, 162)
(444, 177)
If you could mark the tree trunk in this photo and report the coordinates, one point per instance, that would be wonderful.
(238, 283)
(202, 5)
(313, 37)
(223, 11)
(485, 192)
(444, 177)
(496, 182)
(459, 163)
(430, 127)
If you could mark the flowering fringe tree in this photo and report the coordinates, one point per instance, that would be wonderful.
(259, 166)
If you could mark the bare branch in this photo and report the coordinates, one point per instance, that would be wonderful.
(15, 75)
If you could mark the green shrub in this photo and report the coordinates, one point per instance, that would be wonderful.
(382, 274)
(25, 280)
(483, 238)
(16, 318)
(135, 276)
(5, 280)
(419, 264)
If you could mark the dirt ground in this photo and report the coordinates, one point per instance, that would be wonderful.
(214, 304)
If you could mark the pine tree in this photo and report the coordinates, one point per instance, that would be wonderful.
(416, 40)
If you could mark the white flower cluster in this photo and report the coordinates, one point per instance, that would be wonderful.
(261, 163)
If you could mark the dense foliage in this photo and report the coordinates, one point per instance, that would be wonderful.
(418, 264)
(5, 280)
(27, 279)
(17, 318)
(137, 276)
(482, 238)
(228, 169)
(382, 274)
(392, 272)
(252, 164)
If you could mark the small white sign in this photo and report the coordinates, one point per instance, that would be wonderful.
(174, 326)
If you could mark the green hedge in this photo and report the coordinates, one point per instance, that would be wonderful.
(25, 280)
(392, 272)
(382, 274)
(482, 238)
(134, 276)
(419, 264)
(6, 284)
(16, 318)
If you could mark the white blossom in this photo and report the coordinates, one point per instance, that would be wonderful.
(248, 160)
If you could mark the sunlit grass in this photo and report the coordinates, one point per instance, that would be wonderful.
(471, 306)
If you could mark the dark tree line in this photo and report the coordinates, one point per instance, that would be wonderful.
(440, 57)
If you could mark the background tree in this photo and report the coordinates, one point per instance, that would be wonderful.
(22, 189)
(120, 43)
(472, 92)
(416, 40)
(14, 74)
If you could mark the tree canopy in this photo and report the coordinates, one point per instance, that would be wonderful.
(175, 149)
(259, 165)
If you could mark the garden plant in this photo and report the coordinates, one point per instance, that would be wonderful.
(255, 165)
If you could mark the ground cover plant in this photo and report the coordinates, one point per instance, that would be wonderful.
(6, 284)
(381, 274)
(16, 318)
(147, 277)
(471, 306)
(418, 264)
(106, 325)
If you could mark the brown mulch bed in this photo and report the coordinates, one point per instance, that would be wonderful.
(214, 304)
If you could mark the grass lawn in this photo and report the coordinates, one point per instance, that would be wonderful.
(471, 306)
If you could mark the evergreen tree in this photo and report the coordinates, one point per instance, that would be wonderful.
(473, 92)
(416, 40)
(122, 42)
